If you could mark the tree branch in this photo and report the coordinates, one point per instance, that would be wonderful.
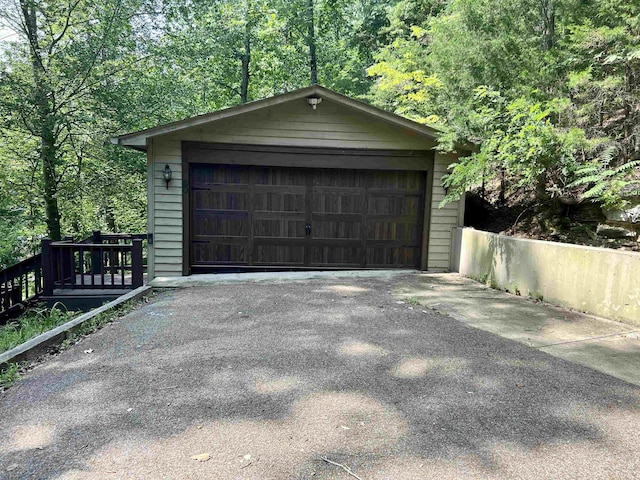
(55, 40)
(95, 56)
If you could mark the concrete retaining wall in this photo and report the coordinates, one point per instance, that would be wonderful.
(599, 281)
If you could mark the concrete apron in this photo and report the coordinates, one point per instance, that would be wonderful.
(603, 345)
(215, 278)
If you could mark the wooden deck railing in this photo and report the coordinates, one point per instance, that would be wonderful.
(105, 262)
(98, 262)
(19, 284)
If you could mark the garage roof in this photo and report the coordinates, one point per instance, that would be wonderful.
(138, 140)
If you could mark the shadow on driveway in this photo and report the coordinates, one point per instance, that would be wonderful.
(267, 377)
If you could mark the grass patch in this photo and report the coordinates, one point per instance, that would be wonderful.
(10, 374)
(413, 301)
(31, 324)
(28, 327)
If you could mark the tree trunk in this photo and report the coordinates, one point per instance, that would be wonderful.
(548, 10)
(246, 61)
(110, 217)
(541, 188)
(313, 64)
(48, 159)
(46, 121)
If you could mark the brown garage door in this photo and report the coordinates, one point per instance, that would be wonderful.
(305, 218)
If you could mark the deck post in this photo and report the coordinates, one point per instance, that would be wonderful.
(4, 301)
(47, 270)
(97, 268)
(137, 277)
(16, 290)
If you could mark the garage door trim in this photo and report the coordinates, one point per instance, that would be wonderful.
(286, 156)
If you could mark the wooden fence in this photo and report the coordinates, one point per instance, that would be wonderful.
(104, 262)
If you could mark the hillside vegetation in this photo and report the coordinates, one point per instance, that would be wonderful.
(548, 89)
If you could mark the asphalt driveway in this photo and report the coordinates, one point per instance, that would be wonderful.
(267, 378)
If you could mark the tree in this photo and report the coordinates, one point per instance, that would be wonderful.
(544, 86)
(67, 51)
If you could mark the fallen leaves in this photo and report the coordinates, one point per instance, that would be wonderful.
(246, 460)
(201, 457)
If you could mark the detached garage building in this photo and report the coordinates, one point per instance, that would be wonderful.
(309, 179)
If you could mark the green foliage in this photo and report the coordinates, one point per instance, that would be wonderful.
(520, 141)
(9, 374)
(31, 324)
(97, 70)
(37, 321)
(58, 105)
(548, 89)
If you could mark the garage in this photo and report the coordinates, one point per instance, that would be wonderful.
(307, 179)
(274, 216)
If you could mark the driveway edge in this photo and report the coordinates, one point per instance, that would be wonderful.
(36, 344)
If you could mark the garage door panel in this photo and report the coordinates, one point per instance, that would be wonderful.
(220, 200)
(283, 201)
(339, 178)
(218, 224)
(211, 253)
(335, 255)
(372, 192)
(278, 254)
(204, 177)
(296, 189)
(279, 228)
(343, 203)
(335, 229)
(279, 176)
(346, 190)
(396, 180)
(275, 215)
(406, 233)
(357, 218)
(394, 205)
(385, 257)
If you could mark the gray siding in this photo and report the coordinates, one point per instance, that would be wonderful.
(296, 124)
(443, 220)
(289, 124)
(166, 220)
